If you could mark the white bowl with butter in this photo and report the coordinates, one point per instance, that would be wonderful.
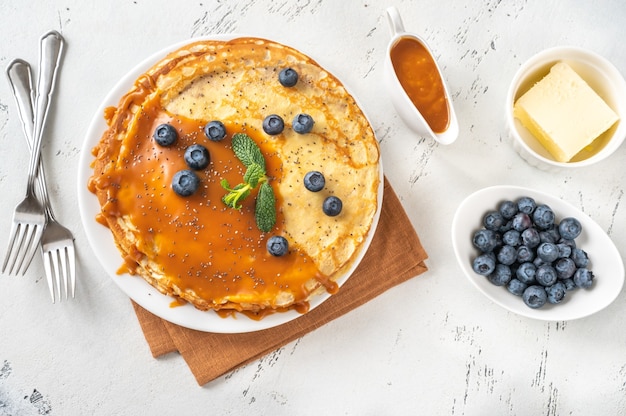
(571, 109)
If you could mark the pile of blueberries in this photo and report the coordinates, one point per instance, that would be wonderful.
(524, 248)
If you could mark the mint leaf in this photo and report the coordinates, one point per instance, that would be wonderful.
(247, 150)
(265, 210)
(235, 194)
(250, 155)
(253, 174)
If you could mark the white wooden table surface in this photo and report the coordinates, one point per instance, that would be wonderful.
(432, 346)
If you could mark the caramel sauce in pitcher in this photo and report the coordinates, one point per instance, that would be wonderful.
(419, 76)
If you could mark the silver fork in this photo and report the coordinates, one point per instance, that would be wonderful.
(57, 242)
(29, 218)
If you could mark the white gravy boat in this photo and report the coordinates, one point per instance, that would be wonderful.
(400, 99)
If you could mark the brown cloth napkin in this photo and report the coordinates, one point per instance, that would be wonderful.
(394, 256)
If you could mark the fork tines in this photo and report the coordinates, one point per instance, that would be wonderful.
(59, 265)
(23, 243)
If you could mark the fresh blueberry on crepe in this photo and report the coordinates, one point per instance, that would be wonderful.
(273, 125)
(332, 206)
(215, 130)
(302, 124)
(277, 245)
(197, 157)
(185, 182)
(314, 181)
(165, 135)
(288, 77)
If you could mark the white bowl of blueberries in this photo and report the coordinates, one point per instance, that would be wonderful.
(535, 254)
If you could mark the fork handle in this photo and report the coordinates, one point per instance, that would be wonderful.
(20, 80)
(50, 50)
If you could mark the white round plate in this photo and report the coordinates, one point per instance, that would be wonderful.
(101, 239)
(605, 260)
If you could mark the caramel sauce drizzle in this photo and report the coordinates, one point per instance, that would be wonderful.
(197, 242)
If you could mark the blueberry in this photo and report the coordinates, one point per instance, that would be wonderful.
(526, 205)
(302, 123)
(485, 240)
(564, 250)
(512, 238)
(530, 237)
(165, 135)
(521, 221)
(215, 131)
(556, 292)
(185, 182)
(197, 157)
(277, 245)
(288, 77)
(507, 226)
(545, 275)
(580, 257)
(493, 220)
(548, 252)
(583, 278)
(535, 296)
(525, 254)
(484, 264)
(570, 243)
(549, 236)
(273, 125)
(516, 287)
(508, 209)
(543, 216)
(570, 228)
(569, 284)
(507, 255)
(526, 273)
(565, 268)
(501, 275)
(332, 206)
(314, 181)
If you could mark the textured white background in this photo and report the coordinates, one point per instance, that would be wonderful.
(433, 345)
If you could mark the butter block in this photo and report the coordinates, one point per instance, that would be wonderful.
(564, 113)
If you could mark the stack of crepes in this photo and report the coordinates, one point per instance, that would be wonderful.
(394, 256)
(193, 246)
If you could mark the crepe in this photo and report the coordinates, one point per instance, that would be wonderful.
(196, 248)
